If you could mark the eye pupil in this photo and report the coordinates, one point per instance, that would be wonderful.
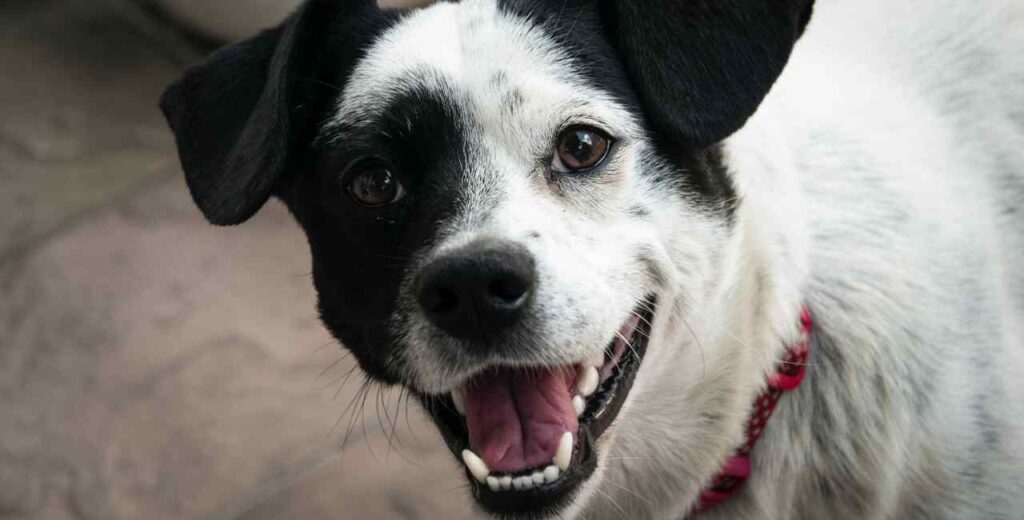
(375, 185)
(581, 145)
(582, 148)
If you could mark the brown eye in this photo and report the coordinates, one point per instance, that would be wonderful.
(581, 148)
(373, 185)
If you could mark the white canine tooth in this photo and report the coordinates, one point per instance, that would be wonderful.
(597, 360)
(538, 478)
(506, 483)
(476, 466)
(551, 474)
(579, 404)
(588, 381)
(563, 456)
(460, 403)
(494, 484)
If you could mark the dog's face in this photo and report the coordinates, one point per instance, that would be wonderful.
(512, 205)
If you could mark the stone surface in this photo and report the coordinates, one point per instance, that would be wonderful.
(152, 366)
(78, 121)
(156, 366)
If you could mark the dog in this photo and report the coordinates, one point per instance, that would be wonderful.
(720, 258)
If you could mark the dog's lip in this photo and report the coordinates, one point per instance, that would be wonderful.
(594, 423)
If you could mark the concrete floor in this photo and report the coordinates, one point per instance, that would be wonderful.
(152, 366)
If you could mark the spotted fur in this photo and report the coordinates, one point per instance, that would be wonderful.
(879, 183)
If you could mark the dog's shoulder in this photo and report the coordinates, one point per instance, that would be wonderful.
(890, 155)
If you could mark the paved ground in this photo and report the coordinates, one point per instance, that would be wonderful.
(152, 366)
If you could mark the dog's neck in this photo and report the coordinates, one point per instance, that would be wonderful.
(788, 375)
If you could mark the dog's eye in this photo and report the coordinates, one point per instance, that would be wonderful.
(372, 184)
(580, 148)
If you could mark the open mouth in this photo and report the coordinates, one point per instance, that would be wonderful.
(527, 435)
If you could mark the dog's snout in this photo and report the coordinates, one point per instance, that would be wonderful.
(479, 290)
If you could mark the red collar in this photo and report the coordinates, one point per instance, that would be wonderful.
(788, 375)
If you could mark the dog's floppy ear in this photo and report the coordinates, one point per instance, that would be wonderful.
(237, 116)
(702, 67)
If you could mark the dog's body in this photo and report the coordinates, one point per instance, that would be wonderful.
(883, 181)
(880, 184)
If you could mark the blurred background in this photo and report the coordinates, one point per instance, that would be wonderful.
(153, 366)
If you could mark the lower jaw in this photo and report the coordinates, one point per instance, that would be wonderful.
(550, 499)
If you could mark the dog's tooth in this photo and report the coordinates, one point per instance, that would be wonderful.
(494, 484)
(505, 482)
(538, 478)
(588, 381)
(476, 466)
(563, 456)
(460, 402)
(597, 360)
(551, 474)
(579, 404)
(523, 483)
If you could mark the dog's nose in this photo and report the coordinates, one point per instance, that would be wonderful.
(479, 290)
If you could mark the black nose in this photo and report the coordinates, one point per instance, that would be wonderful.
(479, 290)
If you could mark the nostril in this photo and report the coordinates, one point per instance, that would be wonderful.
(508, 290)
(440, 300)
(478, 291)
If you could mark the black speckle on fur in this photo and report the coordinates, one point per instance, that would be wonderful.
(639, 211)
(499, 80)
(654, 272)
(513, 101)
(836, 476)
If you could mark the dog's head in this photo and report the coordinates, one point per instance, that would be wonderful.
(512, 206)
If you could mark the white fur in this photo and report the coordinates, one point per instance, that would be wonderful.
(870, 181)
(871, 178)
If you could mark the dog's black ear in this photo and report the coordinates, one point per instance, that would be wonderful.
(702, 67)
(237, 116)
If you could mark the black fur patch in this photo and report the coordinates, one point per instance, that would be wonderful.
(246, 116)
(361, 255)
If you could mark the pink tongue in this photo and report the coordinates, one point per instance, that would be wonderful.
(516, 418)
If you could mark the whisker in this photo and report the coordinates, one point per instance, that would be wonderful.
(627, 490)
(325, 345)
(457, 488)
(322, 83)
(380, 421)
(343, 379)
(360, 395)
(362, 421)
(744, 345)
(408, 424)
(629, 345)
(700, 347)
(328, 369)
(350, 407)
(616, 505)
(642, 319)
